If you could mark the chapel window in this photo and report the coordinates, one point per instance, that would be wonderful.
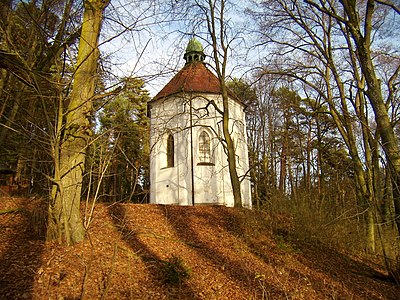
(204, 148)
(170, 151)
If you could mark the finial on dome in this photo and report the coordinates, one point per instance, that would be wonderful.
(194, 51)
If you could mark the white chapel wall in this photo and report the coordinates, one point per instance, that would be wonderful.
(212, 182)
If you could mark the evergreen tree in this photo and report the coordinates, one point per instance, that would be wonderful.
(124, 128)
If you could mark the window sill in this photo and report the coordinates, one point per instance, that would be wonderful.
(205, 164)
(167, 168)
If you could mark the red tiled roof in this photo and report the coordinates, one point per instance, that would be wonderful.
(194, 77)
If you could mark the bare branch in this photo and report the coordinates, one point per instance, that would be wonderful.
(389, 4)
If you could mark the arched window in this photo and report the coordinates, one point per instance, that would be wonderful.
(204, 148)
(170, 151)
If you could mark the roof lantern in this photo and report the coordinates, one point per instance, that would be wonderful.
(194, 51)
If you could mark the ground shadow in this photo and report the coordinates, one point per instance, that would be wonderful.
(153, 262)
(22, 242)
(181, 220)
(356, 276)
(353, 275)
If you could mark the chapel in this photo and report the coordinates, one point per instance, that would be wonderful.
(188, 163)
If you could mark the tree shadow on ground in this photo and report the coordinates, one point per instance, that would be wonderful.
(354, 276)
(240, 272)
(164, 273)
(23, 242)
(357, 277)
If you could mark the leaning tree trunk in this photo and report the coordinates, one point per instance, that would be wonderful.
(362, 39)
(65, 222)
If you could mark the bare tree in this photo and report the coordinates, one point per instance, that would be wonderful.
(216, 24)
(358, 19)
(316, 50)
(209, 18)
(65, 221)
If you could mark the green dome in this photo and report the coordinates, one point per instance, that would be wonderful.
(194, 46)
(194, 52)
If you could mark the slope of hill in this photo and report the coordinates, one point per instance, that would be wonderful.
(170, 252)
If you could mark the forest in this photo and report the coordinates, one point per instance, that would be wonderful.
(320, 79)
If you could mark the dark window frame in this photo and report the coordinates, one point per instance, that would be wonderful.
(204, 149)
(170, 151)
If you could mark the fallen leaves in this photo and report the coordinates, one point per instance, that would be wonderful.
(213, 252)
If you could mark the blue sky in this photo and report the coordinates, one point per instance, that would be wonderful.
(153, 48)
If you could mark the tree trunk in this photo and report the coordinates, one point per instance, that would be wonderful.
(364, 189)
(284, 154)
(374, 92)
(230, 147)
(65, 222)
(10, 120)
(212, 21)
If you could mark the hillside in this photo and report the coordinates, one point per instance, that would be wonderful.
(170, 252)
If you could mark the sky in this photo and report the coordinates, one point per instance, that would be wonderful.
(139, 40)
(153, 48)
